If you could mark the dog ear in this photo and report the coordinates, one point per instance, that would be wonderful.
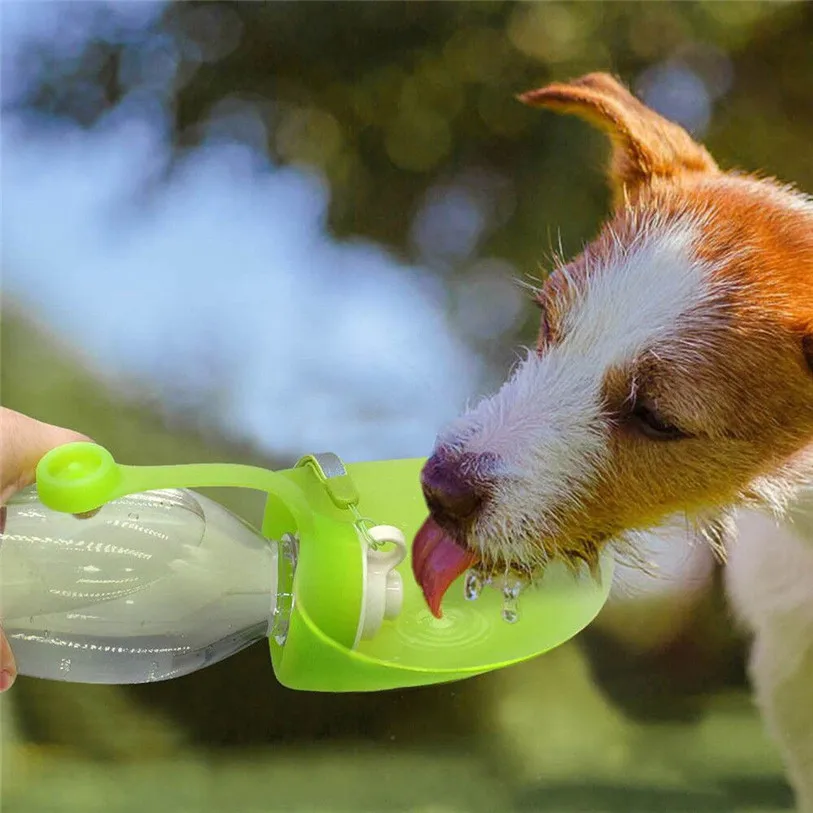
(645, 145)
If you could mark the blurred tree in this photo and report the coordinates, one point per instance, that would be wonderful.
(399, 105)
(408, 111)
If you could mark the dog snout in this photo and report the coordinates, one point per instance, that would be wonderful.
(456, 486)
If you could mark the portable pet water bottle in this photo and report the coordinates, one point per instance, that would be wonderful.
(163, 581)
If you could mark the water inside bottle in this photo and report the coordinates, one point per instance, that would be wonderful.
(154, 586)
(125, 659)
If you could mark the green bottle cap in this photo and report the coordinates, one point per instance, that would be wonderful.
(350, 616)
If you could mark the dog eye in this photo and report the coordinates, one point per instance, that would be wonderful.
(650, 423)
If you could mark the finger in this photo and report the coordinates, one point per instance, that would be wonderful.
(8, 668)
(23, 442)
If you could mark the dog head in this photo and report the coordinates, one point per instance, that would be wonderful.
(673, 372)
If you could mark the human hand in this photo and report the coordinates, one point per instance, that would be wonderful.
(23, 442)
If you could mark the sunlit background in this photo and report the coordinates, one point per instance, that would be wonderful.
(251, 231)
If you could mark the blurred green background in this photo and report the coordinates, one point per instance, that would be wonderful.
(247, 231)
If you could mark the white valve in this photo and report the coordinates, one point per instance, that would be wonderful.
(384, 587)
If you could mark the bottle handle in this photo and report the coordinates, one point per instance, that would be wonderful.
(78, 477)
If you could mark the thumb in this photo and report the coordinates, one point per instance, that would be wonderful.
(23, 442)
(8, 669)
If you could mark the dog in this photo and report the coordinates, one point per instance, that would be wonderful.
(672, 380)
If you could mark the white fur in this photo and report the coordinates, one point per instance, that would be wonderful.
(770, 582)
(546, 425)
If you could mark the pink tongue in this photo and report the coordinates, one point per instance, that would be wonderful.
(437, 560)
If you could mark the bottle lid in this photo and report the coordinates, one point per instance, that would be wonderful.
(356, 620)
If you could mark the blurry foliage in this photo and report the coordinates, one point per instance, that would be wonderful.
(394, 102)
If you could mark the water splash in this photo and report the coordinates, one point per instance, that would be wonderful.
(510, 585)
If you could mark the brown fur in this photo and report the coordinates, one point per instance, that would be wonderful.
(739, 384)
(645, 145)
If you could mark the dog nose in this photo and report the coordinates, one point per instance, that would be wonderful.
(455, 485)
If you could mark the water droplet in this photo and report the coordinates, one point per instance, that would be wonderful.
(132, 515)
(473, 585)
(511, 590)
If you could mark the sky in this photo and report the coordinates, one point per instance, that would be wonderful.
(224, 290)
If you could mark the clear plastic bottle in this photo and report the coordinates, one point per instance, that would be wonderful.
(154, 586)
